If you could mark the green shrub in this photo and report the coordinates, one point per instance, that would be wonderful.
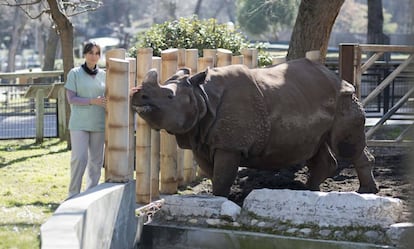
(190, 33)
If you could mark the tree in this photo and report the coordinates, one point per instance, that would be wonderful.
(18, 27)
(259, 17)
(313, 27)
(375, 34)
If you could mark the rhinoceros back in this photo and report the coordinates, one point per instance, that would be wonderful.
(300, 97)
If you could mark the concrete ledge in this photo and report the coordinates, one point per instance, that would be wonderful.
(102, 217)
(179, 237)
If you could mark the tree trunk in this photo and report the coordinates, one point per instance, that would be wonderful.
(50, 52)
(50, 55)
(313, 27)
(375, 33)
(198, 7)
(65, 31)
(19, 22)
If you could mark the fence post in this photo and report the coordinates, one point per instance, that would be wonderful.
(131, 125)
(191, 59)
(61, 109)
(143, 135)
(119, 53)
(205, 62)
(211, 52)
(237, 59)
(250, 57)
(349, 62)
(224, 57)
(118, 121)
(189, 168)
(168, 144)
(40, 114)
(155, 146)
(180, 152)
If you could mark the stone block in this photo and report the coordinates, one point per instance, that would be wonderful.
(206, 206)
(324, 208)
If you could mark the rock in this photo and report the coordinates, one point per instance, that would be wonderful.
(305, 231)
(230, 210)
(193, 205)
(372, 236)
(324, 209)
(325, 232)
(213, 222)
(397, 232)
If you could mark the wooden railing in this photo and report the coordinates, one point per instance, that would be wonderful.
(352, 66)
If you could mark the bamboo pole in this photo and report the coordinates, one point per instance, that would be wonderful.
(211, 52)
(189, 168)
(223, 57)
(131, 125)
(155, 147)
(181, 58)
(250, 57)
(168, 145)
(117, 91)
(119, 53)
(191, 59)
(278, 60)
(180, 152)
(143, 135)
(237, 59)
(313, 55)
(204, 63)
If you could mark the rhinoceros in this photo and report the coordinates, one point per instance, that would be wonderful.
(264, 118)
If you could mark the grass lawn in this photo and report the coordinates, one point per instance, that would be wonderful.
(33, 182)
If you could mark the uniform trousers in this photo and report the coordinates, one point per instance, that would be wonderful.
(87, 154)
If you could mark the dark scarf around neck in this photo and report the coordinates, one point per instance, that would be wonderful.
(88, 71)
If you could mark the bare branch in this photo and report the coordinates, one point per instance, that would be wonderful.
(16, 4)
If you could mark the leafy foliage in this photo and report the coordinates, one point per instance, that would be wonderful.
(190, 33)
(261, 16)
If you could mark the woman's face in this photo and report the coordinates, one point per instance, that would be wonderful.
(92, 56)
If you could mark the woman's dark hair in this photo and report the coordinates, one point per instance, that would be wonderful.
(88, 47)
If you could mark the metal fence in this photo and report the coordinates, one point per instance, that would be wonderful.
(18, 114)
(391, 94)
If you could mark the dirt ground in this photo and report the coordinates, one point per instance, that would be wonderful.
(390, 172)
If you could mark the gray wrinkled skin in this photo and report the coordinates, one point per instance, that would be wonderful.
(268, 118)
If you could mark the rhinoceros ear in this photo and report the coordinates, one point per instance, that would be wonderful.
(198, 79)
(184, 71)
(151, 77)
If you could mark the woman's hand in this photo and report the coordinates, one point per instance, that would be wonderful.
(100, 101)
(134, 90)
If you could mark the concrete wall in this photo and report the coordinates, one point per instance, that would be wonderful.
(102, 217)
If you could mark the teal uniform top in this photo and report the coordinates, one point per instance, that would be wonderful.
(86, 117)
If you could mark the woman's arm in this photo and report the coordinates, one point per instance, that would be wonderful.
(75, 100)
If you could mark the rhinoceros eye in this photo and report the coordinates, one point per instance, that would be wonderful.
(170, 96)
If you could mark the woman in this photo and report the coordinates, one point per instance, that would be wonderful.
(85, 88)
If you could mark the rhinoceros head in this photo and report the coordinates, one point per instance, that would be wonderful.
(173, 106)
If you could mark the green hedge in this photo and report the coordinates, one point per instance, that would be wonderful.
(192, 33)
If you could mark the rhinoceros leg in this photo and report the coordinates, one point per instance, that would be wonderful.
(205, 166)
(348, 141)
(226, 164)
(363, 166)
(321, 166)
